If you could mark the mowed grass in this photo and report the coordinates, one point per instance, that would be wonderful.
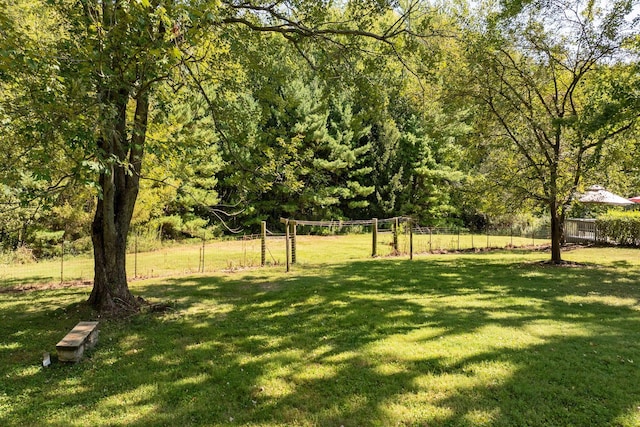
(492, 339)
(239, 254)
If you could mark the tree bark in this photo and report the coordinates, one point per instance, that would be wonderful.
(119, 183)
(110, 288)
(556, 234)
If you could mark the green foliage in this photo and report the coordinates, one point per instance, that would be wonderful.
(169, 227)
(22, 255)
(351, 142)
(82, 245)
(71, 214)
(549, 107)
(270, 124)
(176, 227)
(252, 126)
(47, 244)
(622, 227)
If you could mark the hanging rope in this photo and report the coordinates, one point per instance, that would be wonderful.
(339, 223)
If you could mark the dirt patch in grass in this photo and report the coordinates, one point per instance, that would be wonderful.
(45, 286)
(240, 269)
(527, 248)
(567, 264)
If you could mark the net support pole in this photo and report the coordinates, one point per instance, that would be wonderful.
(374, 234)
(263, 243)
(294, 227)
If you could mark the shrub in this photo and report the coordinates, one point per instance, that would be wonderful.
(195, 227)
(622, 227)
(22, 255)
(82, 245)
(169, 227)
(143, 241)
(46, 244)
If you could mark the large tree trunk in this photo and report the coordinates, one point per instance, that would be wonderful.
(556, 235)
(557, 223)
(110, 289)
(119, 185)
(120, 151)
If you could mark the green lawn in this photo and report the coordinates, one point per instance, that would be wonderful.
(239, 254)
(480, 339)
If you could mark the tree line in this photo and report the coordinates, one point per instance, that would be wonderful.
(184, 118)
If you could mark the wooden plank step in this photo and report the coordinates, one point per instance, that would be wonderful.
(83, 336)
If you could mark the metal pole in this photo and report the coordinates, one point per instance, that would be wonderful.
(395, 236)
(62, 260)
(204, 240)
(244, 251)
(374, 231)
(286, 239)
(410, 239)
(135, 255)
(263, 245)
(293, 242)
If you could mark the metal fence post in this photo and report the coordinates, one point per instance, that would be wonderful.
(62, 260)
(293, 242)
(395, 236)
(204, 241)
(263, 243)
(410, 239)
(374, 232)
(286, 239)
(135, 255)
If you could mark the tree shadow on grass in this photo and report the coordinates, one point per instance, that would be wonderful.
(468, 342)
(18, 284)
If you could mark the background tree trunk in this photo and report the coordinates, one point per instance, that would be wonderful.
(556, 237)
